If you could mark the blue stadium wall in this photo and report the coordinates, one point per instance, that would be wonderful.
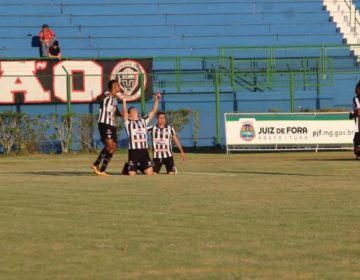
(143, 28)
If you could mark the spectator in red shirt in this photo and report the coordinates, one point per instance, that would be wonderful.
(47, 38)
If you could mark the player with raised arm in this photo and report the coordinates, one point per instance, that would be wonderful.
(107, 126)
(162, 136)
(135, 126)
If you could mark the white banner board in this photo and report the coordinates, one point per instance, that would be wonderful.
(287, 129)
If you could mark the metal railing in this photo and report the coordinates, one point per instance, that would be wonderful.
(240, 69)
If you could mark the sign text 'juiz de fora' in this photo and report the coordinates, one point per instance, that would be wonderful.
(44, 81)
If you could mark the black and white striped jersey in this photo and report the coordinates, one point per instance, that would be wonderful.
(136, 131)
(356, 106)
(356, 103)
(162, 140)
(107, 111)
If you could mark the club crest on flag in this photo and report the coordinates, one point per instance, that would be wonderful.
(128, 74)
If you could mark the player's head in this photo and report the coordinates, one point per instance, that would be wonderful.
(357, 88)
(133, 113)
(56, 44)
(161, 118)
(45, 27)
(114, 86)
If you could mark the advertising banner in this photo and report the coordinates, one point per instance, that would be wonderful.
(44, 81)
(297, 128)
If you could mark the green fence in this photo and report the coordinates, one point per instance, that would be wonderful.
(248, 69)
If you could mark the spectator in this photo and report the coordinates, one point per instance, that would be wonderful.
(54, 51)
(47, 38)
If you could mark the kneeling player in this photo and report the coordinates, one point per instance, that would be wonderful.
(162, 136)
(136, 130)
(125, 170)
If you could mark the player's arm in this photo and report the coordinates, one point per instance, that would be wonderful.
(155, 106)
(357, 116)
(356, 104)
(118, 113)
(357, 112)
(178, 144)
(125, 114)
(101, 97)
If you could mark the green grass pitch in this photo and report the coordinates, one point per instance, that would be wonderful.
(243, 216)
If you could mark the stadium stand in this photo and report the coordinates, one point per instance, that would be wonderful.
(177, 28)
(143, 28)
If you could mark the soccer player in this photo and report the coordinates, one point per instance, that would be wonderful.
(162, 136)
(356, 106)
(138, 154)
(356, 117)
(107, 126)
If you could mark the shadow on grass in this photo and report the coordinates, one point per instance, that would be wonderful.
(61, 173)
(278, 173)
(70, 173)
(328, 159)
(223, 172)
(259, 173)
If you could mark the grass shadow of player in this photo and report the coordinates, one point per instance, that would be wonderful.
(66, 173)
(274, 173)
(326, 159)
(60, 173)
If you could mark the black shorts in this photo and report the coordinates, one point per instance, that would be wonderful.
(107, 132)
(168, 162)
(125, 170)
(139, 159)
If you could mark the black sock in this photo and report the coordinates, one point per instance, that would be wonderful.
(106, 162)
(100, 157)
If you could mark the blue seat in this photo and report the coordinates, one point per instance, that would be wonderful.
(140, 28)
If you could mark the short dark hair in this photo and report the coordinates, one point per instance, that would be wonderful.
(160, 113)
(56, 43)
(130, 108)
(45, 25)
(110, 84)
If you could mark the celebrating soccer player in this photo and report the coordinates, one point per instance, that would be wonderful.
(162, 136)
(107, 127)
(138, 155)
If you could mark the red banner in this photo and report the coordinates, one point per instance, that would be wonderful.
(44, 81)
